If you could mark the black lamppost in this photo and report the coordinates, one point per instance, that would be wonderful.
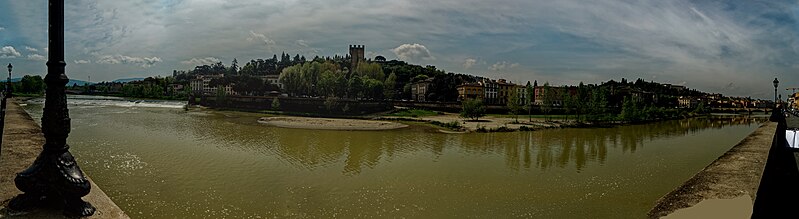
(8, 82)
(776, 83)
(55, 176)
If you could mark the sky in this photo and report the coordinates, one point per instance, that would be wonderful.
(732, 47)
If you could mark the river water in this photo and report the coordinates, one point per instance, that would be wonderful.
(156, 160)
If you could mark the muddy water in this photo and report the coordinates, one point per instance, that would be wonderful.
(156, 160)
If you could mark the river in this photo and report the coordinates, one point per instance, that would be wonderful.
(156, 160)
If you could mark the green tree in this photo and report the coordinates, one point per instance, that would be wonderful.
(548, 101)
(530, 99)
(513, 104)
(32, 84)
(355, 87)
(371, 70)
(389, 86)
(275, 104)
(473, 109)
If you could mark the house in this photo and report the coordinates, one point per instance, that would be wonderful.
(419, 89)
(470, 91)
(490, 91)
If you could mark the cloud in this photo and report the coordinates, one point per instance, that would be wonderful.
(2, 28)
(37, 57)
(201, 61)
(260, 37)
(82, 61)
(503, 65)
(302, 43)
(144, 62)
(30, 49)
(8, 52)
(412, 52)
(469, 62)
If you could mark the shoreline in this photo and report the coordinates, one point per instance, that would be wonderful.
(330, 124)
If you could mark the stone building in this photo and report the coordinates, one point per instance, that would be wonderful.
(356, 55)
(470, 91)
(419, 89)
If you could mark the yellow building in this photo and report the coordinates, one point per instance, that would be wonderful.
(470, 91)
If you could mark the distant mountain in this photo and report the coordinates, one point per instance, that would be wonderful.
(77, 82)
(126, 80)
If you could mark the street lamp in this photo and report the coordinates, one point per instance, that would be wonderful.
(776, 83)
(8, 82)
(54, 176)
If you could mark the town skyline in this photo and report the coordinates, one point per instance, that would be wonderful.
(726, 47)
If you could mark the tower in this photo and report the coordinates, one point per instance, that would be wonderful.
(356, 55)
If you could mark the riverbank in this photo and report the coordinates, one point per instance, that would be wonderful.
(22, 142)
(330, 124)
(726, 188)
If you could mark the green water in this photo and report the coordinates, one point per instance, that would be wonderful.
(159, 161)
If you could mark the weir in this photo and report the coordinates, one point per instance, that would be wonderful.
(22, 142)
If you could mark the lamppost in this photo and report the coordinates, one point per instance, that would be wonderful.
(8, 82)
(776, 83)
(54, 177)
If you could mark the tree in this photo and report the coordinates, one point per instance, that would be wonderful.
(355, 87)
(275, 104)
(31, 84)
(390, 85)
(473, 109)
(530, 99)
(513, 104)
(549, 98)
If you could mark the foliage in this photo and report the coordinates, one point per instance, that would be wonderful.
(453, 125)
(31, 85)
(275, 104)
(413, 113)
(513, 104)
(473, 109)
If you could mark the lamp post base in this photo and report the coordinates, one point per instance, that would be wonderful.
(54, 178)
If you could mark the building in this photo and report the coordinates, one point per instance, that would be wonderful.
(356, 55)
(273, 79)
(490, 91)
(419, 89)
(504, 89)
(522, 94)
(556, 92)
(688, 102)
(470, 91)
(200, 84)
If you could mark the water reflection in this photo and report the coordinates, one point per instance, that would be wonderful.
(354, 151)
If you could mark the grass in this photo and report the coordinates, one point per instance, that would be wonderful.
(413, 113)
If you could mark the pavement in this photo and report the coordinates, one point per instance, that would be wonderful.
(22, 142)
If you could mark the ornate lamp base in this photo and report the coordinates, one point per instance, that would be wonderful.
(54, 177)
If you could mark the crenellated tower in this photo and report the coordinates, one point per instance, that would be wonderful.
(356, 55)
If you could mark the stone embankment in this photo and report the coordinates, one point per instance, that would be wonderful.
(22, 142)
(728, 187)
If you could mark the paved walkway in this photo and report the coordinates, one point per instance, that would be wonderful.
(22, 142)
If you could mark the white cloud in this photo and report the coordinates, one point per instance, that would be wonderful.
(8, 52)
(144, 62)
(302, 43)
(469, 62)
(31, 49)
(503, 65)
(37, 57)
(260, 37)
(201, 61)
(412, 52)
(2, 28)
(82, 61)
